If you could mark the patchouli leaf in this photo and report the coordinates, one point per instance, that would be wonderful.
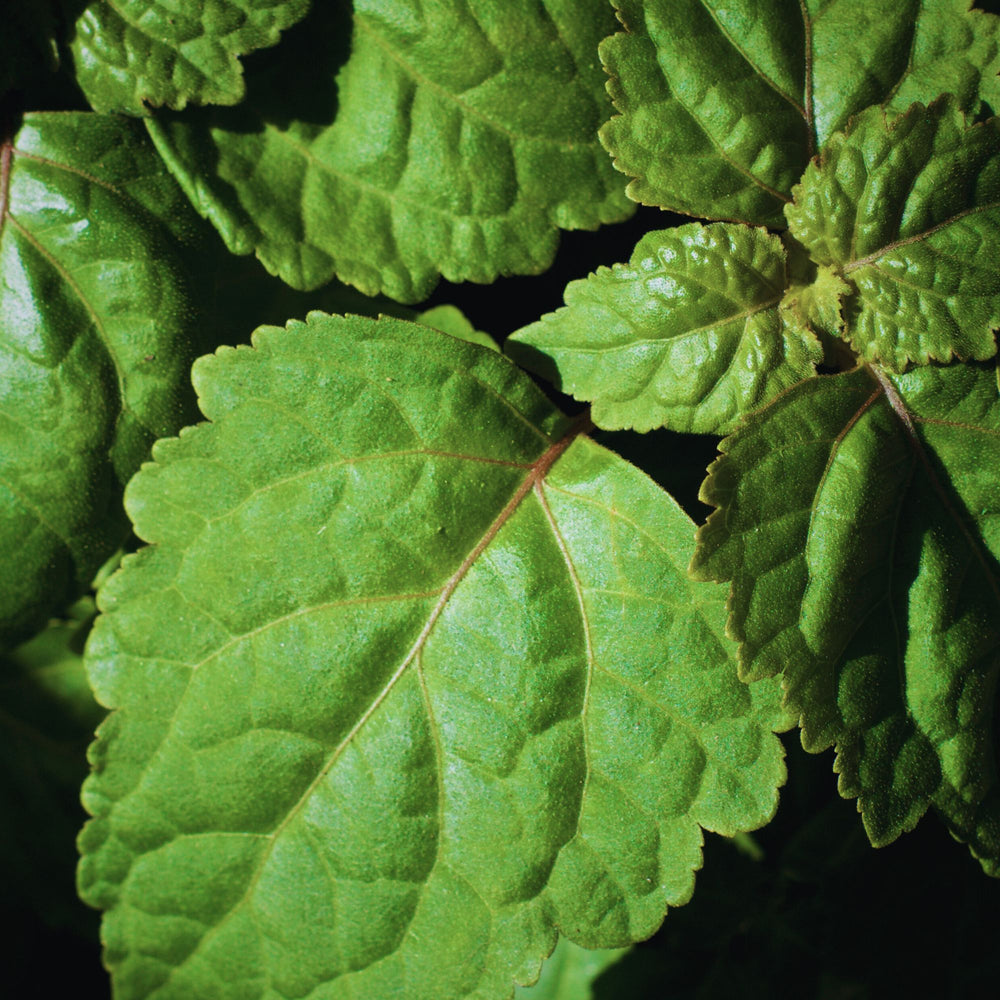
(132, 55)
(723, 104)
(908, 213)
(868, 578)
(569, 972)
(451, 320)
(454, 141)
(688, 335)
(411, 675)
(95, 345)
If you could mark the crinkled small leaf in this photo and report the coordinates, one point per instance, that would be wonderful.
(688, 335)
(98, 321)
(132, 55)
(452, 142)
(908, 212)
(569, 972)
(410, 676)
(859, 523)
(722, 105)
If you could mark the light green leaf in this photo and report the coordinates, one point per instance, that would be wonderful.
(453, 142)
(410, 676)
(94, 349)
(688, 335)
(134, 55)
(723, 104)
(569, 972)
(450, 320)
(869, 580)
(909, 214)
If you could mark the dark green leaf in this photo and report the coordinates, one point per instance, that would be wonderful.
(859, 524)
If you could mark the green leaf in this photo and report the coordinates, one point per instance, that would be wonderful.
(908, 213)
(722, 105)
(869, 580)
(688, 335)
(133, 55)
(569, 973)
(99, 319)
(450, 320)
(451, 143)
(47, 716)
(410, 675)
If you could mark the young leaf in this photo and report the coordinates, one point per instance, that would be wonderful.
(908, 212)
(94, 349)
(132, 55)
(410, 675)
(569, 972)
(451, 144)
(722, 105)
(869, 579)
(688, 335)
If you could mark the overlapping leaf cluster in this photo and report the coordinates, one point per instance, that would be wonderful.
(412, 679)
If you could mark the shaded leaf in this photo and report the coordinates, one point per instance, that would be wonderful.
(722, 105)
(133, 55)
(410, 675)
(451, 143)
(687, 336)
(99, 321)
(569, 972)
(450, 320)
(908, 212)
(869, 581)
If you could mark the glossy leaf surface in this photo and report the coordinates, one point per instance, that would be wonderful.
(94, 350)
(908, 213)
(723, 104)
(450, 143)
(869, 580)
(465, 695)
(134, 55)
(688, 335)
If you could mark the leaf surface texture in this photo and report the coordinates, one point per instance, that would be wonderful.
(454, 140)
(410, 675)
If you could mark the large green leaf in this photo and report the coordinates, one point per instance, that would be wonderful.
(688, 335)
(410, 675)
(453, 141)
(132, 55)
(96, 340)
(868, 578)
(723, 104)
(908, 213)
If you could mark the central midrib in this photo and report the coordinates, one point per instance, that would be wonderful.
(535, 476)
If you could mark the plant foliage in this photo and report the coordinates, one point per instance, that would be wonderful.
(410, 681)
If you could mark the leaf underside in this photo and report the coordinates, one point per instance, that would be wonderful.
(453, 144)
(134, 55)
(386, 746)
(869, 581)
(908, 214)
(689, 335)
(94, 349)
(722, 105)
